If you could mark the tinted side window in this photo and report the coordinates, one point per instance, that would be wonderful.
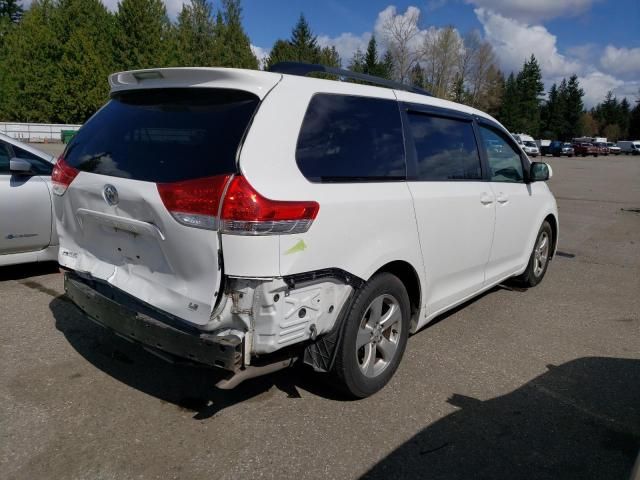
(505, 164)
(347, 138)
(5, 156)
(38, 165)
(445, 148)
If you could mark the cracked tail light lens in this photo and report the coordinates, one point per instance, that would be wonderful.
(194, 203)
(62, 176)
(246, 212)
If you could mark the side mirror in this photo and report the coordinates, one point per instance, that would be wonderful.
(20, 166)
(540, 172)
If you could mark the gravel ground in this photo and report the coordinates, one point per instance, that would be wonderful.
(543, 383)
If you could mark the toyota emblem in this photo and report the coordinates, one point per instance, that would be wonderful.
(110, 195)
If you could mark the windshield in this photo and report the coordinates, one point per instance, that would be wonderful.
(164, 135)
(530, 144)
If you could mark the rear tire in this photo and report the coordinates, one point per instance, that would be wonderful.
(539, 259)
(374, 338)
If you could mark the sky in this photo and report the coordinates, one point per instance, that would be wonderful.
(599, 40)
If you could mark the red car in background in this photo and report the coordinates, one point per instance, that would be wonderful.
(602, 148)
(584, 149)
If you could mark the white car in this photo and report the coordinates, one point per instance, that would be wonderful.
(242, 219)
(27, 226)
(613, 148)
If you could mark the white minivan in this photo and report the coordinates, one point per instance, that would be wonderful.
(245, 219)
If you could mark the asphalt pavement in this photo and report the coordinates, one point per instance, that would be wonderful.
(543, 383)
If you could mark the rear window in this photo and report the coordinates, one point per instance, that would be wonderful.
(164, 135)
(347, 138)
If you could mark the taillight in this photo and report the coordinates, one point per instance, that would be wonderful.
(62, 176)
(246, 212)
(194, 203)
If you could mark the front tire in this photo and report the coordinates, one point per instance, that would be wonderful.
(374, 338)
(539, 259)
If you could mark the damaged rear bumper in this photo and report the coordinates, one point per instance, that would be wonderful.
(133, 320)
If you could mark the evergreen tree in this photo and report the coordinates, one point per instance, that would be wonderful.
(634, 121)
(625, 117)
(509, 109)
(84, 29)
(329, 56)
(417, 76)
(142, 35)
(194, 40)
(232, 42)
(28, 67)
(386, 66)
(10, 10)
(529, 90)
(357, 62)
(574, 107)
(302, 47)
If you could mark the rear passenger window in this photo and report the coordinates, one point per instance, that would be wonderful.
(445, 148)
(504, 160)
(347, 139)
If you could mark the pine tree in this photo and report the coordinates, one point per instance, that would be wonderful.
(84, 29)
(574, 107)
(530, 89)
(329, 56)
(233, 43)
(625, 117)
(634, 121)
(509, 108)
(142, 35)
(417, 76)
(357, 62)
(28, 70)
(302, 47)
(386, 66)
(194, 36)
(10, 10)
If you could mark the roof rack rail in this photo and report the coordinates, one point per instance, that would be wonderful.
(303, 69)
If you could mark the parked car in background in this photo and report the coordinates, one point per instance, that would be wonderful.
(602, 147)
(177, 234)
(558, 148)
(629, 147)
(527, 143)
(585, 148)
(613, 148)
(27, 226)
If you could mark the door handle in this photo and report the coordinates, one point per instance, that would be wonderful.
(502, 198)
(486, 199)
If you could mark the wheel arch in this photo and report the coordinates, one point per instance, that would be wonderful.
(553, 221)
(411, 281)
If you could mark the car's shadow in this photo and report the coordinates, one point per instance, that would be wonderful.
(579, 420)
(189, 387)
(26, 270)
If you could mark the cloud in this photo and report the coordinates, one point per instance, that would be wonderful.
(596, 85)
(621, 61)
(515, 41)
(346, 44)
(585, 52)
(260, 53)
(535, 10)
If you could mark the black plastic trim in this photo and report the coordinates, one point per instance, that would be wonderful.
(112, 309)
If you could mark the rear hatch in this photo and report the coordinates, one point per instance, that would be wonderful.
(138, 191)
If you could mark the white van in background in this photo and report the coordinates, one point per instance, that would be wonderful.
(629, 147)
(527, 143)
